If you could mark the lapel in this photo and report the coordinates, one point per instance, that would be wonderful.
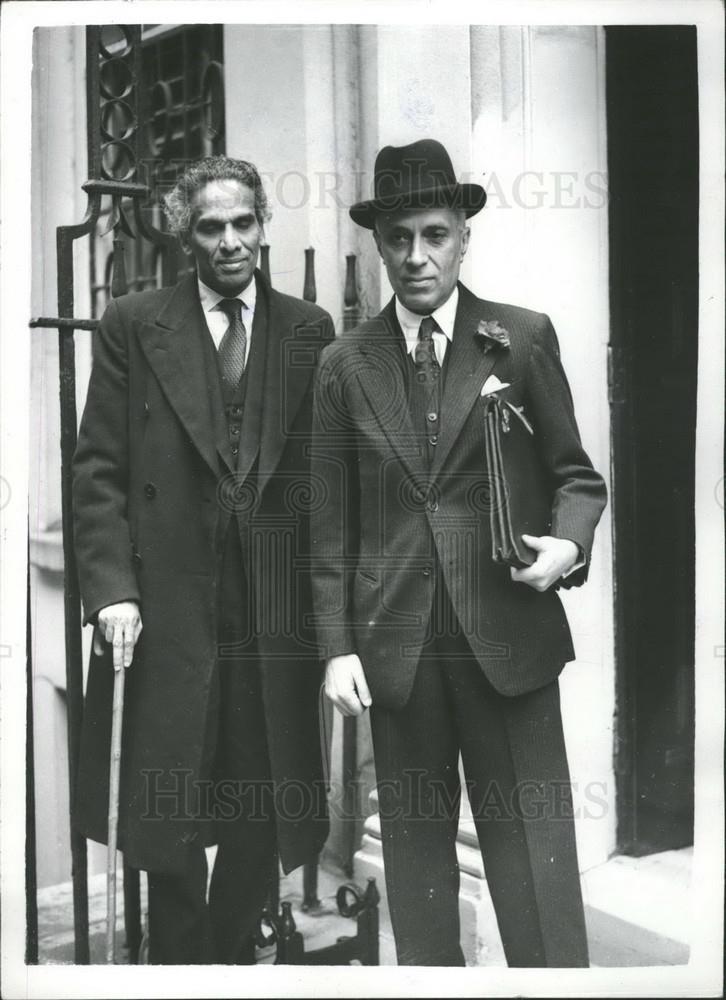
(382, 379)
(288, 374)
(175, 353)
(468, 368)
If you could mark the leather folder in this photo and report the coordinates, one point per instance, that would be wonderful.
(520, 502)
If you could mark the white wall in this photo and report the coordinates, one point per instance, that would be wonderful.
(280, 92)
(424, 91)
(264, 85)
(58, 171)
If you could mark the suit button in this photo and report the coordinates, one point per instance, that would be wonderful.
(432, 417)
(150, 491)
(234, 430)
(419, 494)
(137, 558)
(426, 571)
(433, 505)
(434, 439)
(235, 449)
(236, 411)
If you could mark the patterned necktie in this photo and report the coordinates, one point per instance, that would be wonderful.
(234, 343)
(428, 369)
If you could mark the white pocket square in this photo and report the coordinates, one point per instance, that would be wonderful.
(493, 384)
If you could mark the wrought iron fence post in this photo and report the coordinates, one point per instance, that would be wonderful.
(265, 261)
(310, 871)
(351, 307)
(351, 318)
(71, 591)
(310, 292)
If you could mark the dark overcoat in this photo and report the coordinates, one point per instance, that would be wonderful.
(153, 475)
(390, 520)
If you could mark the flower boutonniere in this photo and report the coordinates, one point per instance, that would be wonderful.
(493, 335)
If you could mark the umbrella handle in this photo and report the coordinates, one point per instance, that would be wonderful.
(113, 796)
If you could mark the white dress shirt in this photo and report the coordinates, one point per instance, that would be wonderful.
(217, 319)
(445, 316)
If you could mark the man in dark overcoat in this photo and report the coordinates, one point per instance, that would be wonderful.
(192, 496)
(454, 653)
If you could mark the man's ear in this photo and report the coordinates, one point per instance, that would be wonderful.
(377, 238)
(185, 244)
(465, 241)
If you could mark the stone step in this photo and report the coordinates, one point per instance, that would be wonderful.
(638, 910)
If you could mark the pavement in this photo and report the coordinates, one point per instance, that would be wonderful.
(637, 910)
(320, 926)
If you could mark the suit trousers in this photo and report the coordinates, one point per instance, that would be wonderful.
(188, 924)
(517, 779)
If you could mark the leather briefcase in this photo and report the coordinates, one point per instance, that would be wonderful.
(519, 499)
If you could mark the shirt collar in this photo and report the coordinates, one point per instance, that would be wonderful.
(210, 299)
(445, 317)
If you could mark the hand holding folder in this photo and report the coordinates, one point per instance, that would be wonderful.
(519, 498)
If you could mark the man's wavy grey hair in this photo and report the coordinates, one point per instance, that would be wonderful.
(178, 202)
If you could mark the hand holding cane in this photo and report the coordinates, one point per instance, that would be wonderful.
(120, 624)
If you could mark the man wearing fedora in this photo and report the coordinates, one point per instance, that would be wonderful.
(454, 653)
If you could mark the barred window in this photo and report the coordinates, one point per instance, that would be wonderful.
(161, 107)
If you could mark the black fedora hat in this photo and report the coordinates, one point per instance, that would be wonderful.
(419, 175)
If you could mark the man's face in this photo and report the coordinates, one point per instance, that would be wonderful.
(422, 250)
(224, 236)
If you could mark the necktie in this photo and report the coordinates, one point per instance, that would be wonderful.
(234, 343)
(428, 370)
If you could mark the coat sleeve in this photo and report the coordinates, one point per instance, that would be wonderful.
(579, 492)
(334, 523)
(101, 475)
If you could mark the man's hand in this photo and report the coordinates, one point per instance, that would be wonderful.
(555, 556)
(120, 625)
(345, 684)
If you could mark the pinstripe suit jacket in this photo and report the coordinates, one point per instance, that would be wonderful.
(386, 522)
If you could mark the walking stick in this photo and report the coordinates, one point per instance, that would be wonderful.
(113, 796)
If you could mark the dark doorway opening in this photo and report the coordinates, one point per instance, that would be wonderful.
(652, 118)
